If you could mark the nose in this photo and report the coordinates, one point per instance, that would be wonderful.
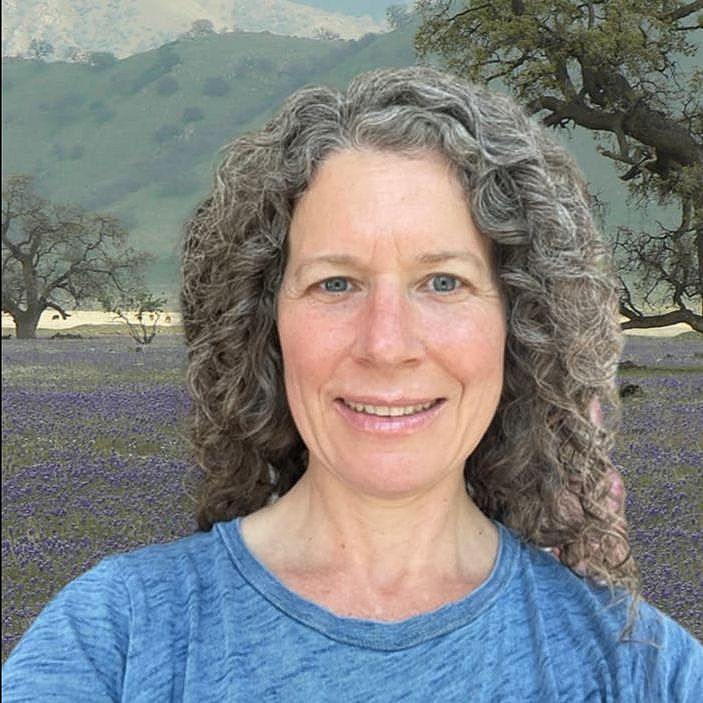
(389, 328)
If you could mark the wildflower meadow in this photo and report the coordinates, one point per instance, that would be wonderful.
(94, 462)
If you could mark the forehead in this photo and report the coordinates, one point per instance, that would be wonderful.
(353, 167)
(365, 199)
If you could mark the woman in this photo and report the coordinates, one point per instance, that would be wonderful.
(401, 325)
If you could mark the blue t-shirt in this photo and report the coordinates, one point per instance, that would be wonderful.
(201, 620)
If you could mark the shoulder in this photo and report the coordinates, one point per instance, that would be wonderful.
(658, 660)
(664, 657)
(170, 561)
(162, 568)
(81, 642)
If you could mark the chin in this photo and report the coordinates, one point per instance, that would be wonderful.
(397, 476)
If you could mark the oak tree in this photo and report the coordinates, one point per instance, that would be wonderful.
(54, 256)
(614, 67)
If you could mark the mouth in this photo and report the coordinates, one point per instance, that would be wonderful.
(390, 410)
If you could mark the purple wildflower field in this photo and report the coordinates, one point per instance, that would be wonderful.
(94, 462)
(660, 454)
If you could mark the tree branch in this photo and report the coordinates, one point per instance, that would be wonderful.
(674, 317)
(643, 124)
(683, 11)
(576, 111)
(468, 11)
(55, 306)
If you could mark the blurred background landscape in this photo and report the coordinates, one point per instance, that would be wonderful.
(122, 106)
(133, 123)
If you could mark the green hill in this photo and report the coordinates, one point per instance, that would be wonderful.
(139, 138)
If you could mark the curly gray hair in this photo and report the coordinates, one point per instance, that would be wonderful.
(542, 467)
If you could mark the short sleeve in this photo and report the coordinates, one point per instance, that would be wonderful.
(76, 649)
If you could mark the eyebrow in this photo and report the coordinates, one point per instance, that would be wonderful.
(441, 257)
(433, 258)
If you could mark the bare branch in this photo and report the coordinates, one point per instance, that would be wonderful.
(674, 317)
(55, 306)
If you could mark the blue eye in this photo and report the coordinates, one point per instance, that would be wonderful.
(336, 284)
(443, 283)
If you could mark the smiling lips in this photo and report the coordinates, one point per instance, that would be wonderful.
(389, 410)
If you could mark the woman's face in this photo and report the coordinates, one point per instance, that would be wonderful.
(391, 323)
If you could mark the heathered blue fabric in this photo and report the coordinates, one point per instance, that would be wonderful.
(202, 620)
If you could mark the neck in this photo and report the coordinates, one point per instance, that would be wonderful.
(380, 544)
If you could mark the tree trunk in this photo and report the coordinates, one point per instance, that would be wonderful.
(26, 323)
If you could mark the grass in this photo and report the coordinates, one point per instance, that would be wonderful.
(94, 462)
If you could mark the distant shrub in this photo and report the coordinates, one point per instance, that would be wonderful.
(249, 66)
(200, 28)
(166, 132)
(167, 86)
(40, 49)
(192, 114)
(75, 54)
(76, 152)
(215, 86)
(101, 112)
(73, 153)
(325, 34)
(164, 61)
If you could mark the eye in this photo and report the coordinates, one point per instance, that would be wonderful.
(336, 284)
(444, 283)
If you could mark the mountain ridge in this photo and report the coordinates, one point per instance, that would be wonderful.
(72, 29)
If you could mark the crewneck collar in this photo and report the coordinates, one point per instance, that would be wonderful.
(373, 634)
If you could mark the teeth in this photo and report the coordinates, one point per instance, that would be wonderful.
(389, 410)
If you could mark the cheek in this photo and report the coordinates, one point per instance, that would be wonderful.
(479, 369)
(311, 344)
(471, 340)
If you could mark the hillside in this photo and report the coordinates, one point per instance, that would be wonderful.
(139, 138)
(72, 28)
